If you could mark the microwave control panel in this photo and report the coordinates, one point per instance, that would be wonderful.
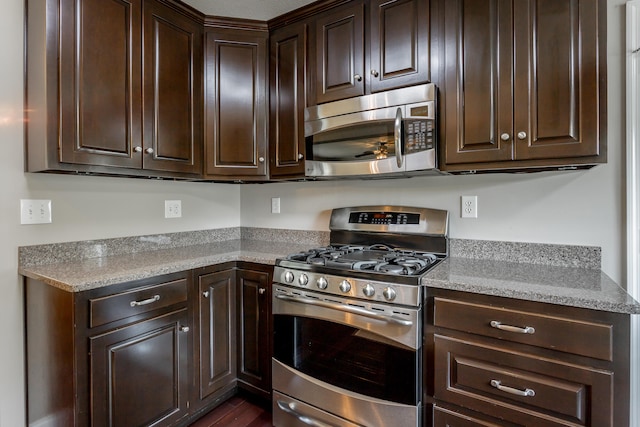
(419, 135)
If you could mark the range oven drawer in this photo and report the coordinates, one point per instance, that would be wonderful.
(518, 387)
(290, 412)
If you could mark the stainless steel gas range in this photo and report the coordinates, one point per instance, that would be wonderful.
(348, 320)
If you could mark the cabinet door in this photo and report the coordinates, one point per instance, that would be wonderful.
(172, 91)
(478, 73)
(236, 104)
(254, 329)
(216, 319)
(288, 65)
(100, 82)
(340, 53)
(556, 79)
(399, 36)
(138, 374)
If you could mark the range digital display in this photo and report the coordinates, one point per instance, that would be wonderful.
(385, 218)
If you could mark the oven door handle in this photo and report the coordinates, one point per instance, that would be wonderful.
(286, 407)
(347, 309)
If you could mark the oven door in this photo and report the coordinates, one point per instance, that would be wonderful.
(356, 360)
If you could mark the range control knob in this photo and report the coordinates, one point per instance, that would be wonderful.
(345, 286)
(303, 279)
(322, 283)
(288, 277)
(368, 290)
(389, 293)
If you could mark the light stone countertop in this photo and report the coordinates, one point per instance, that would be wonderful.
(556, 274)
(76, 276)
(569, 286)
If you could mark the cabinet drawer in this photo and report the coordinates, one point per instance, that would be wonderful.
(119, 306)
(567, 335)
(443, 417)
(521, 388)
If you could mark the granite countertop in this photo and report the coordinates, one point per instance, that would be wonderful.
(569, 286)
(555, 274)
(97, 272)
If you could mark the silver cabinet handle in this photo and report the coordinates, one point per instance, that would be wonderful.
(347, 309)
(305, 419)
(262, 291)
(357, 78)
(300, 157)
(397, 136)
(505, 137)
(516, 329)
(145, 301)
(374, 73)
(184, 329)
(527, 392)
(137, 149)
(261, 159)
(205, 294)
(149, 150)
(522, 135)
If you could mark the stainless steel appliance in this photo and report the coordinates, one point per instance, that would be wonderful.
(348, 320)
(387, 133)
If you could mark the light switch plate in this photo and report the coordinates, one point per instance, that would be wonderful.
(35, 211)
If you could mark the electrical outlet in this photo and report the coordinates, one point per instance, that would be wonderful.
(172, 208)
(275, 205)
(469, 206)
(35, 211)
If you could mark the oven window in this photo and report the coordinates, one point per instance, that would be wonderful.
(348, 357)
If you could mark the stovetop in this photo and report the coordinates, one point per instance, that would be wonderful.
(378, 253)
(377, 258)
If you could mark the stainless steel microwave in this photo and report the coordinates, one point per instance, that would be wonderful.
(389, 133)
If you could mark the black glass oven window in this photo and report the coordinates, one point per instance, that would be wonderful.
(347, 357)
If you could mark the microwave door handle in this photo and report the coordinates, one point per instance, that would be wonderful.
(347, 308)
(397, 135)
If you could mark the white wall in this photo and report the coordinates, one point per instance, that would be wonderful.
(574, 208)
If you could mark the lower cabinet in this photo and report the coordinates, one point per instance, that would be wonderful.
(154, 352)
(254, 329)
(127, 366)
(215, 347)
(524, 363)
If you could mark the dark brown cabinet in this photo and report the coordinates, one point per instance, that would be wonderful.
(288, 64)
(370, 46)
(236, 104)
(254, 328)
(99, 101)
(215, 362)
(525, 363)
(111, 356)
(172, 91)
(523, 84)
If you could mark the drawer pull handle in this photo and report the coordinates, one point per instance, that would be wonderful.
(527, 392)
(145, 301)
(516, 329)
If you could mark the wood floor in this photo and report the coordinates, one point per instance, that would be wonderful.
(239, 411)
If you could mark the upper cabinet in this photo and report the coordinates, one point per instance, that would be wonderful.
(523, 84)
(95, 104)
(288, 62)
(236, 104)
(366, 47)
